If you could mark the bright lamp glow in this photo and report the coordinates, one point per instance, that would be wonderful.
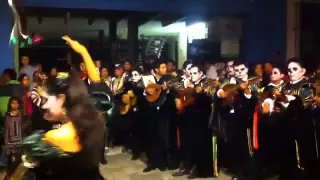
(197, 31)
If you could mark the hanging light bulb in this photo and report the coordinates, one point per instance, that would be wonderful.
(14, 40)
(36, 39)
(22, 44)
(29, 41)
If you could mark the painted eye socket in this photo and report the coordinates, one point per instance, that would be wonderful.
(290, 70)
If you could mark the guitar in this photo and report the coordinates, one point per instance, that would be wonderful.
(153, 91)
(129, 100)
(232, 90)
(186, 96)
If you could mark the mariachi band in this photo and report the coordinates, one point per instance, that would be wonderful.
(182, 121)
(252, 128)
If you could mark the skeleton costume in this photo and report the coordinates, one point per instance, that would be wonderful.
(133, 105)
(184, 127)
(235, 120)
(195, 136)
(300, 159)
(128, 123)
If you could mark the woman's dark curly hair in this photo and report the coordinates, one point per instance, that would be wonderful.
(80, 110)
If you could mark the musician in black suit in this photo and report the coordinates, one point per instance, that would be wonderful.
(301, 157)
(270, 123)
(201, 152)
(159, 114)
(235, 110)
(131, 114)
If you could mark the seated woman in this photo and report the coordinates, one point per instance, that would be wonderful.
(73, 150)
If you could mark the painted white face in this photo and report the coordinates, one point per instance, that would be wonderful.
(188, 70)
(196, 74)
(230, 69)
(240, 71)
(53, 108)
(136, 76)
(276, 75)
(295, 71)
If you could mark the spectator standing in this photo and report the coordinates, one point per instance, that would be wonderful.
(25, 82)
(10, 89)
(26, 68)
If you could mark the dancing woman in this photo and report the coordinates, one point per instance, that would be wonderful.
(72, 151)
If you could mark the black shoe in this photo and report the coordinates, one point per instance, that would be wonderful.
(193, 176)
(181, 173)
(173, 166)
(193, 173)
(103, 161)
(182, 166)
(148, 169)
(162, 169)
(134, 158)
(124, 150)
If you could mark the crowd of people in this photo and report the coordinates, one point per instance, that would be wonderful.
(196, 120)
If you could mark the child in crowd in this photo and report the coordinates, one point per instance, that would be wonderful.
(16, 126)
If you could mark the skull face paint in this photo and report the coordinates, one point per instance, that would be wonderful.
(136, 76)
(196, 74)
(230, 69)
(241, 71)
(295, 71)
(276, 75)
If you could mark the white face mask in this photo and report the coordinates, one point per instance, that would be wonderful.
(54, 107)
(196, 75)
(136, 76)
(240, 71)
(295, 71)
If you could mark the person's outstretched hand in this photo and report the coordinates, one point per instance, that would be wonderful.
(75, 45)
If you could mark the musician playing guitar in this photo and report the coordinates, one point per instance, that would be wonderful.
(301, 142)
(131, 110)
(117, 85)
(159, 117)
(194, 133)
(274, 89)
(235, 119)
(270, 118)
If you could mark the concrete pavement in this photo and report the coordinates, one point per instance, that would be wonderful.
(120, 167)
